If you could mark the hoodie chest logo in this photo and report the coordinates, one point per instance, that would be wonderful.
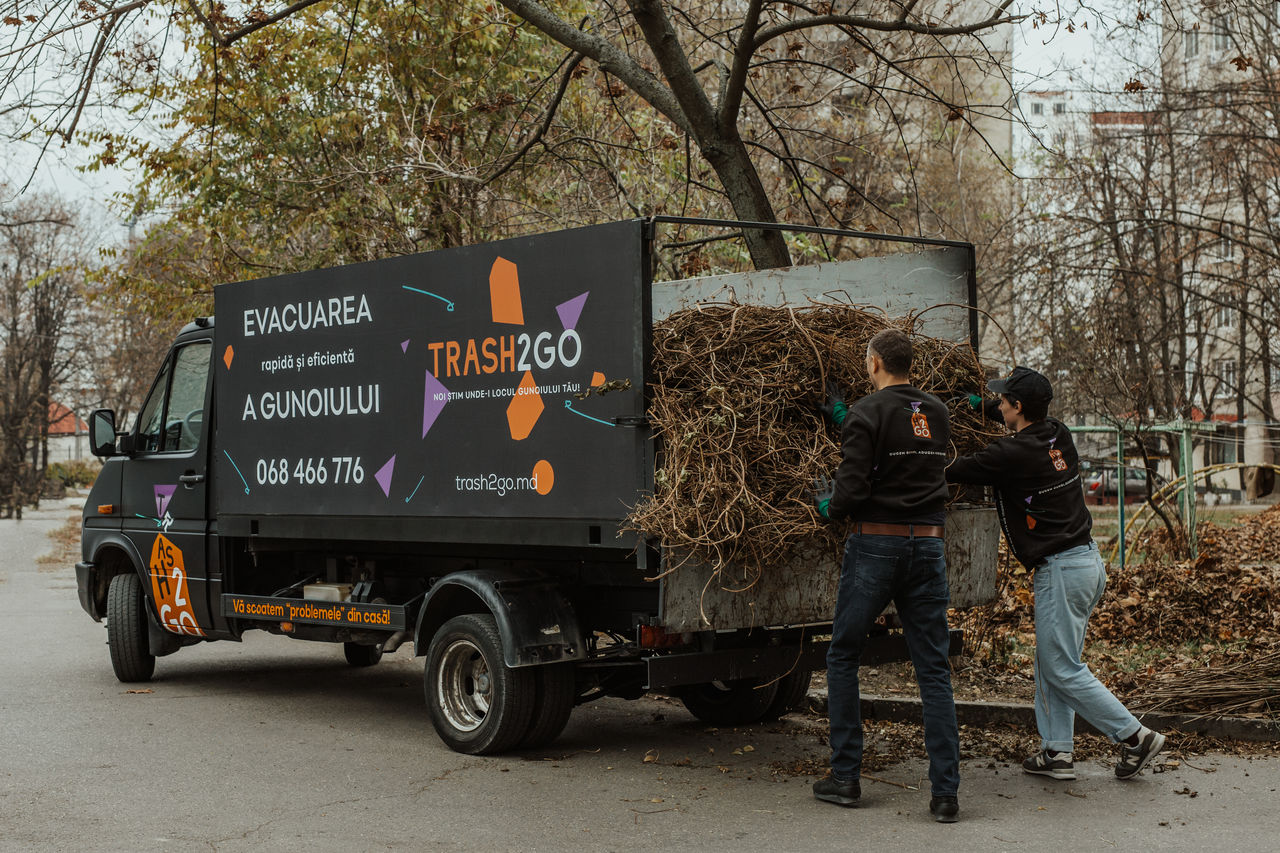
(919, 423)
(1055, 456)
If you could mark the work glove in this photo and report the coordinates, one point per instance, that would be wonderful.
(989, 408)
(834, 409)
(824, 489)
(973, 401)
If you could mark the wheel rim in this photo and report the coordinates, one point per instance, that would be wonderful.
(464, 686)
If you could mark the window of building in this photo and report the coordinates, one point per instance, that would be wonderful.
(1190, 44)
(1223, 446)
(1059, 108)
(1221, 32)
(1224, 315)
(1225, 370)
(1222, 247)
(1037, 109)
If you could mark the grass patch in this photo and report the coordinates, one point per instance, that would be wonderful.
(66, 547)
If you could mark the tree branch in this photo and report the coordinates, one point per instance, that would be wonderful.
(731, 91)
(115, 11)
(235, 35)
(538, 134)
(606, 55)
(996, 18)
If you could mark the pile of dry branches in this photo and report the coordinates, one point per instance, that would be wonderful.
(736, 406)
(1248, 686)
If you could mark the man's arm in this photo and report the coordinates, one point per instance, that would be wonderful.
(987, 467)
(853, 476)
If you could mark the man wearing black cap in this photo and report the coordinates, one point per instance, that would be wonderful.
(1035, 472)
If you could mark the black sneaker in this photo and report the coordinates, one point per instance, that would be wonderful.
(945, 809)
(1134, 758)
(1051, 764)
(832, 790)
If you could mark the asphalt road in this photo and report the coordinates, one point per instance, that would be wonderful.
(275, 744)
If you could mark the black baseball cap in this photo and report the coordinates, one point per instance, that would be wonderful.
(1024, 384)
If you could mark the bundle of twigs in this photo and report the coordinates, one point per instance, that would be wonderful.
(1249, 686)
(736, 406)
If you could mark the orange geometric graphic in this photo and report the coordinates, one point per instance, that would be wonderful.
(228, 355)
(504, 293)
(597, 379)
(170, 590)
(544, 476)
(525, 408)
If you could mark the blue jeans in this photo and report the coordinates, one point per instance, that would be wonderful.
(1068, 586)
(912, 573)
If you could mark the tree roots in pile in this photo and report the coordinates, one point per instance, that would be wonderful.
(736, 411)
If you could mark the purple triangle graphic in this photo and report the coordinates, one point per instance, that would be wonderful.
(571, 311)
(384, 475)
(434, 396)
(404, 346)
(164, 494)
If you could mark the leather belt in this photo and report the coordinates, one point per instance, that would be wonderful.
(921, 531)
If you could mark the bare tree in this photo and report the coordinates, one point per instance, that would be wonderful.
(40, 288)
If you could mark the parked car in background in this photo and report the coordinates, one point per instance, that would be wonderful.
(1100, 482)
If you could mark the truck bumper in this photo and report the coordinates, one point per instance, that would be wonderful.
(86, 583)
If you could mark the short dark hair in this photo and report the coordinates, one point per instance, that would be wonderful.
(1032, 410)
(895, 350)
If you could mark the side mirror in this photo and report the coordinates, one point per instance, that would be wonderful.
(102, 433)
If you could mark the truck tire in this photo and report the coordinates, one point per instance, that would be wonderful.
(555, 689)
(792, 690)
(361, 655)
(728, 703)
(131, 656)
(478, 705)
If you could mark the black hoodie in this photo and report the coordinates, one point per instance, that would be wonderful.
(1036, 475)
(894, 447)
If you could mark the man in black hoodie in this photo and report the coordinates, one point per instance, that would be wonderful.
(1036, 475)
(890, 484)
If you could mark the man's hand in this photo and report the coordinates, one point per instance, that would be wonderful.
(973, 401)
(834, 409)
(824, 489)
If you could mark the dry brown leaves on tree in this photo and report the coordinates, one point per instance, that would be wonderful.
(736, 408)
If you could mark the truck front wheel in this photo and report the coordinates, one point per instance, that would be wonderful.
(131, 656)
(478, 705)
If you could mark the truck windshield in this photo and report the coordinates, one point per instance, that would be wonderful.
(171, 419)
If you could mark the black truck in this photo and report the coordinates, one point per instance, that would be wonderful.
(440, 449)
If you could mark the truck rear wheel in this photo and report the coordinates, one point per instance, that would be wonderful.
(555, 691)
(361, 655)
(131, 656)
(792, 689)
(728, 703)
(478, 705)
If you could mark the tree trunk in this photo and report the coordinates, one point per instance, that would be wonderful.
(741, 182)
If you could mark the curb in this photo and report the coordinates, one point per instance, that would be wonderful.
(907, 710)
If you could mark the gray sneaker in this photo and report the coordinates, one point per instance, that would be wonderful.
(1134, 758)
(1051, 764)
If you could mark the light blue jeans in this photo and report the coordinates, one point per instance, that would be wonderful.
(1068, 586)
